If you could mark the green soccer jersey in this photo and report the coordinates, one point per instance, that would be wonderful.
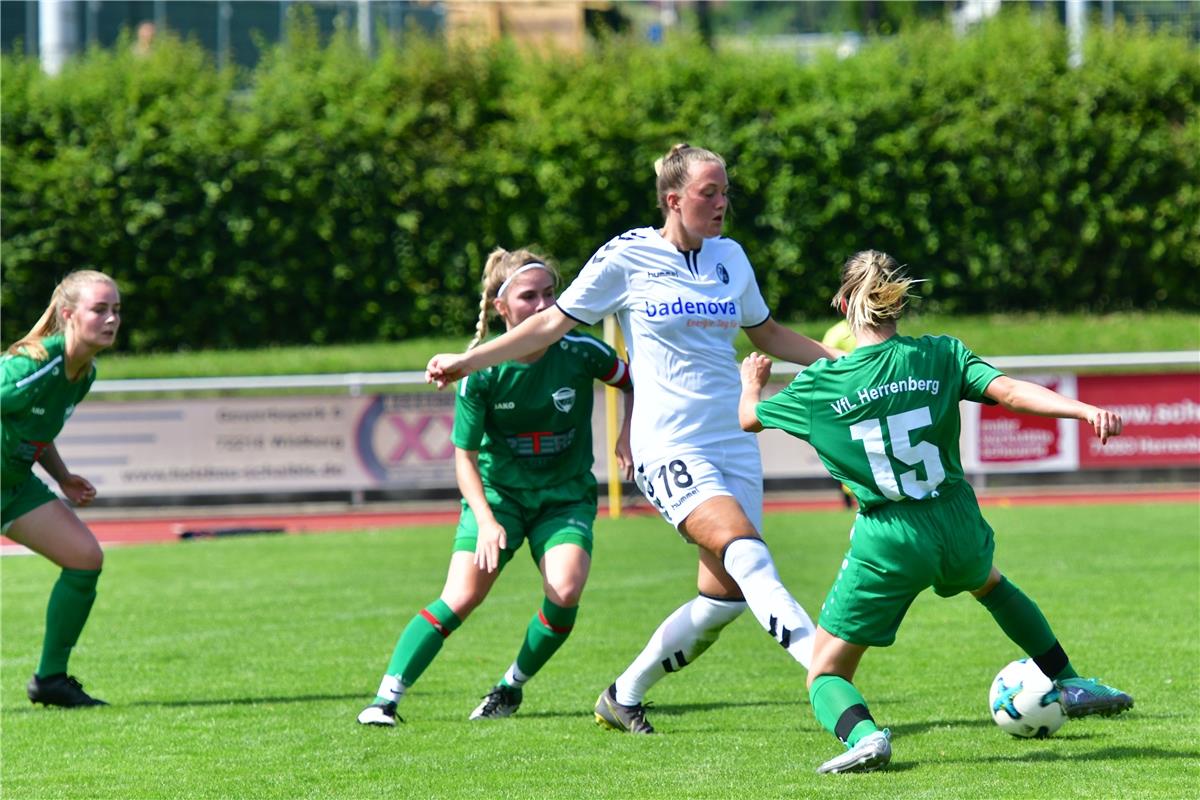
(884, 419)
(532, 423)
(36, 399)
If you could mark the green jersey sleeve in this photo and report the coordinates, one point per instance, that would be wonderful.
(602, 361)
(23, 380)
(470, 410)
(791, 409)
(976, 373)
(16, 392)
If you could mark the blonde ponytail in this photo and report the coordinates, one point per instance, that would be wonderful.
(874, 290)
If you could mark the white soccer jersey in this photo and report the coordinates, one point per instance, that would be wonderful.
(679, 312)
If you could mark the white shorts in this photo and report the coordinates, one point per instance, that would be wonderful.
(679, 481)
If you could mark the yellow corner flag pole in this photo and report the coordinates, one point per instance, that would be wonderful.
(612, 335)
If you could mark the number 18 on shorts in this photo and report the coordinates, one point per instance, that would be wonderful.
(676, 485)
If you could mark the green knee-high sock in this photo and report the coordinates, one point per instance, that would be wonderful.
(421, 641)
(70, 603)
(1023, 622)
(547, 631)
(841, 709)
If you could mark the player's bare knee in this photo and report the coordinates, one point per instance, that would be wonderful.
(565, 592)
(87, 556)
(95, 558)
(820, 667)
(462, 603)
(993, 580)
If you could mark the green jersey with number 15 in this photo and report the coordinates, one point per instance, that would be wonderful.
(884, 419)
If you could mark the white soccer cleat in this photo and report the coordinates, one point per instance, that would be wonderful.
(379, 714)
(872, 752)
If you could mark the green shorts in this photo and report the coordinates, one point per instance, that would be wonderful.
(896, 552)
(561, 514)
(19, 500)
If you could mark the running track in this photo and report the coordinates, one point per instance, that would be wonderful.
(172, 527)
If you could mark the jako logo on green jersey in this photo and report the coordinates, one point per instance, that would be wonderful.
(680, 306)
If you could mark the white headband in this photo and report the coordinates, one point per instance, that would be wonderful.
(526, 268)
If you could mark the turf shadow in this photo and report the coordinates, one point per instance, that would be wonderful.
(674, 709)
(241, 701)
(1103, 754)
(671, 710)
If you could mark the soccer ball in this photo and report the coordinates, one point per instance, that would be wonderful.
(1024, 702)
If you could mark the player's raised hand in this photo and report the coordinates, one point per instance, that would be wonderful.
(445, 368)
(1105, 423)
(756, 370)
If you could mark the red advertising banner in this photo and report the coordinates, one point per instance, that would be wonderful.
(1009, 442)
(1161, 416)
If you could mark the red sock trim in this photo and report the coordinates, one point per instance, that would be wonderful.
(542, 619)
(432, 620)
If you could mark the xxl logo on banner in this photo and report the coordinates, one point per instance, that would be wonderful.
(402, 436)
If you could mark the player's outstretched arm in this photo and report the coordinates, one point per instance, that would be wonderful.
(538, 331)
(756, 371)
(783, 342)
(1030, 398)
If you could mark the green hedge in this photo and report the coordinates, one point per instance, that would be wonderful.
(329, 197)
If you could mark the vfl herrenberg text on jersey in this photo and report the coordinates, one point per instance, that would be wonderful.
(866, 395)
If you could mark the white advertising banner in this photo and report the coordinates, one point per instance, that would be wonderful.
(246, 445)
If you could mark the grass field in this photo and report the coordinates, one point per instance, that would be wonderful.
(236, 667)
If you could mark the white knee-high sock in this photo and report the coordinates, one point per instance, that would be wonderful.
(749, 562)
(680, 639)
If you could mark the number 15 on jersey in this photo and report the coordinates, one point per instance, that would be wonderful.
(883, 465)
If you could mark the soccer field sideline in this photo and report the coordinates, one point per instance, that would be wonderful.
(169, 527)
